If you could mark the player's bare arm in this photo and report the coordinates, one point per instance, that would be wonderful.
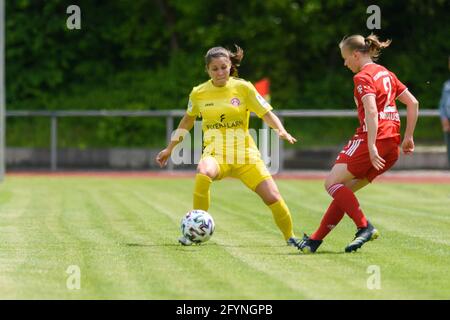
(186, 124)
(412, 112)
(274, 122)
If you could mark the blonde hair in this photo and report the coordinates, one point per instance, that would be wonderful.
(235, 57)
(370, 45)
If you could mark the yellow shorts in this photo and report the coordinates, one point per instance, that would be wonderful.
(250, 174)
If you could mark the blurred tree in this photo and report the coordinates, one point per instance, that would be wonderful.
(148, 54)
(167, 13)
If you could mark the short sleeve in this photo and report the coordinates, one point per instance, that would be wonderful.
(192, 107)
(256, 103)
(364, 86)
(401, 88)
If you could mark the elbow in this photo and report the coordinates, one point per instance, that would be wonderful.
(372, 114)
(371, 111)
(269, 114)
(269, 117)
(415, 103)
(412, 106)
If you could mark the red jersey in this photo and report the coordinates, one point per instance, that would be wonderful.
(374, 79)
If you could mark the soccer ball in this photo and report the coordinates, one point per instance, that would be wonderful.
(197, 226)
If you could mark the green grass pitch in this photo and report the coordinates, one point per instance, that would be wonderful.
(121, 234)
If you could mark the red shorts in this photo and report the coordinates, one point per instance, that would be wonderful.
(356, 155)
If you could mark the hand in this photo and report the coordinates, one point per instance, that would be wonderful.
(445, 124)
(286, 136)
(377, 161)
(408, 145)
(162, 157)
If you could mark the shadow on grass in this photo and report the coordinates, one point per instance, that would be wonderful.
(323, 253)
(171, 244)
(200, 245)
(249, 246)
(194, 247)
(151, 245)
(300, 254)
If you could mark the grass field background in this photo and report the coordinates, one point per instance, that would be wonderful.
(122, 233)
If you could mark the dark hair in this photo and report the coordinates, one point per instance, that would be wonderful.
(235, 57)
(370, 44)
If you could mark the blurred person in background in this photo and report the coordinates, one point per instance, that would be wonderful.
(444, 110)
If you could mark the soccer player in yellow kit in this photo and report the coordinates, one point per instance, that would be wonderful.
(224, 103)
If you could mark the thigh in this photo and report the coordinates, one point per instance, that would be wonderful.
(252, 174)
(388, 149)
(339, 174)
(356, 156)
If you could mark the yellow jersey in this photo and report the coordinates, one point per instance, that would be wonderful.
(225, 113)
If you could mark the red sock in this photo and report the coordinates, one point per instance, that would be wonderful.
(346, 200)
(330, 219)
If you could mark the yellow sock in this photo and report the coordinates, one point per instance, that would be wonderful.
(282, 218)
(201, 192)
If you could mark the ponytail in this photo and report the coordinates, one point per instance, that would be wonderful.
(374, 46)
(235, 58)
(370, 45)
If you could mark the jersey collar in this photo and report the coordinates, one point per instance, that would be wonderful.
(366, 64)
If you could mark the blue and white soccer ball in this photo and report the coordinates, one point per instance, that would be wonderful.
(197, 226)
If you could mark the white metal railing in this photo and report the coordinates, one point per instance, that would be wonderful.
(170, 116)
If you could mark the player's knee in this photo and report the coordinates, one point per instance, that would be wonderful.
(272, 197)
(328, 183)
(205, 170)
(268, 192)
(276, 195)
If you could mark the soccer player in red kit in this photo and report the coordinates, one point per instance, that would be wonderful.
(375, 146)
